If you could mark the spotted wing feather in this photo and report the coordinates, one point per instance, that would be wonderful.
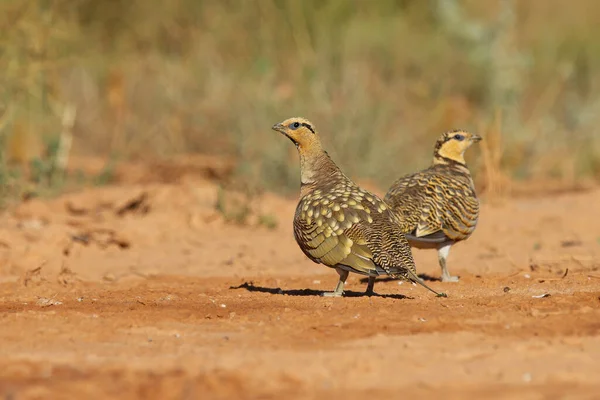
(351, 228)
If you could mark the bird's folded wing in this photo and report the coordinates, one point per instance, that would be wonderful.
(332, 236)
(408, 198)
(437, 206)
(460, 217)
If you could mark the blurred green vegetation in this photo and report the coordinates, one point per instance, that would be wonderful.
(380, 80)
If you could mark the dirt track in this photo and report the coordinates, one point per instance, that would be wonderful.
(162, 299)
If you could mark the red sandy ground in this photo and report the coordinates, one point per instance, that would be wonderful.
(167, 301)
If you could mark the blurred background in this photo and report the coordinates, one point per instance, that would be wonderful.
(123, 80)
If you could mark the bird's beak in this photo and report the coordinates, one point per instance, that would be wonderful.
(278, 128)
(476, 138)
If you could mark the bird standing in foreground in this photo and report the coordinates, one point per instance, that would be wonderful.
(340, 225)
(439, 204)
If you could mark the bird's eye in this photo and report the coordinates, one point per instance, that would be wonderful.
(459, 137)
(295, 125)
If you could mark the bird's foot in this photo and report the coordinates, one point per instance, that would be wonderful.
(332, 294)
(449, 278)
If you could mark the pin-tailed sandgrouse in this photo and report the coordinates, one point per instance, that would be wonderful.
(439, 204)
(340, 225)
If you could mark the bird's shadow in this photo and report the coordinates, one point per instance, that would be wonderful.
(425, 277)
(249, 286)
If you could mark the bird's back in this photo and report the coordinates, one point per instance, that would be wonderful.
(438, 204)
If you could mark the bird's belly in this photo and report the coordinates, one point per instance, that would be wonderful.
(355, 271)
(417, 244)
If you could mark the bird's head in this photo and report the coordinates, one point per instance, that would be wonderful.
(300, 131)
(453, 144)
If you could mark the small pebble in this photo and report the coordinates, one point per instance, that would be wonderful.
(541, 296)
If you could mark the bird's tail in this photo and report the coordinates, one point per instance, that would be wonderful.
(412, 276)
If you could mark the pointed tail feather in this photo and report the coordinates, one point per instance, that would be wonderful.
(414, 278)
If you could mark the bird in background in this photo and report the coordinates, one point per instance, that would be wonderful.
(340, 225)
(439, 205)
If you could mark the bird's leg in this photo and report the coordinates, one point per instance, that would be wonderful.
(339, 289)
(442, 256)
(370, 285)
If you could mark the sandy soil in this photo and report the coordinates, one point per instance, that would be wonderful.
(142, 290)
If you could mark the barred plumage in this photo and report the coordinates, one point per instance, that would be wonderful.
(340, 225)
(439, 204)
